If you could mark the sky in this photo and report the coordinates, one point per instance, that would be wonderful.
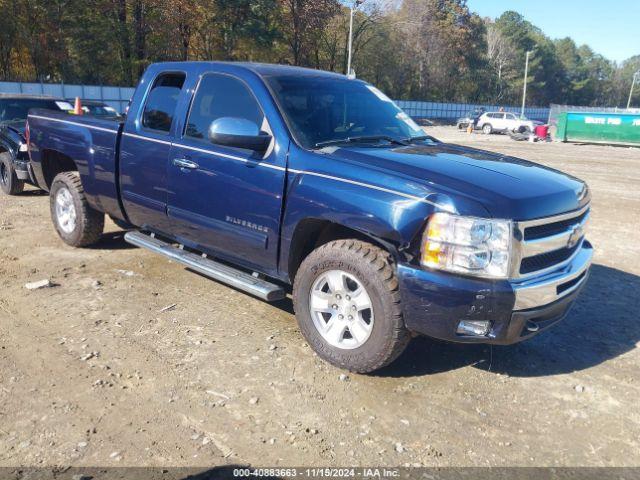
(609, 27)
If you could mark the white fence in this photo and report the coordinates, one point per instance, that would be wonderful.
(117, 97)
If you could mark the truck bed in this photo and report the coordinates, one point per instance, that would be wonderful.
(88, 142)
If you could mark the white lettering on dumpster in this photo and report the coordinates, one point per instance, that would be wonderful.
(594, 120)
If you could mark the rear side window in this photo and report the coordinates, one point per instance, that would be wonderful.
(221, 96)
(160, 107)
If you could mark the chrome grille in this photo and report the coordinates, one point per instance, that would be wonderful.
(547, 243)
(546, 260)
(549, 229)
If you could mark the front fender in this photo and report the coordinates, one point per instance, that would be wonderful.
(379, 203)
(382, 215)
(392, 220)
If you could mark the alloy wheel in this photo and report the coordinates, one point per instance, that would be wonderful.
(341, 309)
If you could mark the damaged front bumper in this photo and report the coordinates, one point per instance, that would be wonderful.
(434, 303)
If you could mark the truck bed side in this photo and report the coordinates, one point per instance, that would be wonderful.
(61, 142)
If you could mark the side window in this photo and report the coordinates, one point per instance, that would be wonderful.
(511, 116)
(221, 96)
(162, 101)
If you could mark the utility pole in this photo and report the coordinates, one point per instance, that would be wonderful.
(526, 75)
(351, 12)
(633, 84)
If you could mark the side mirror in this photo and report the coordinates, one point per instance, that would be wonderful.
(239, 133)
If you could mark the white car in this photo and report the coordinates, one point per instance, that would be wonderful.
(505, 122)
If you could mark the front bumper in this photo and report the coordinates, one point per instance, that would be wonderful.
(435, 302)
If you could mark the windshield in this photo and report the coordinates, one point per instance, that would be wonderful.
(16, 109)
(321, 110)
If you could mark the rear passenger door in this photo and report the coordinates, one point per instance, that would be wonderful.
(227, 200)
(144, 153)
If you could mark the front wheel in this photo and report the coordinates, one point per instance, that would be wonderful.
(347, 304)
(487, 129)
(9, 182)
(77, 223)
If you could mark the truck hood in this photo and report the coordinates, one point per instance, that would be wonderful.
(507, 187)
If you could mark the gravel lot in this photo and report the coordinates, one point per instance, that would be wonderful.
(132, 360)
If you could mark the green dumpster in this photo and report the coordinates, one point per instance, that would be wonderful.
(610, 128)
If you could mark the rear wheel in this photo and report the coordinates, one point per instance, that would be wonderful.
(9, 182)
(77, 223)
(487, 129)
(347, 304)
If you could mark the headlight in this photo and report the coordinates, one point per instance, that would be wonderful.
(473, 246)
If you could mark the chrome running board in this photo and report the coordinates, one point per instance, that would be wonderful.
(210, 268)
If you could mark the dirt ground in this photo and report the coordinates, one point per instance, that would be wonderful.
(97, 371)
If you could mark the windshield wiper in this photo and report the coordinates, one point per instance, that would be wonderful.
(420, 138)
(361, 139)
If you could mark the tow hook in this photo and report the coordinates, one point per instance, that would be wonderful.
(532, 327)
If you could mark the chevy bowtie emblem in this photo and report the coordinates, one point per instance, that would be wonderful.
(576, 234)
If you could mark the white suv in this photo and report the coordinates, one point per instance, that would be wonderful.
(505, 122)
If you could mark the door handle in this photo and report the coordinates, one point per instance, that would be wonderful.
(185, 163)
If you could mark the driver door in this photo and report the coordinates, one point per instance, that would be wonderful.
(225, 200)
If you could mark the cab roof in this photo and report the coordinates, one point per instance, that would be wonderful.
(261, 69)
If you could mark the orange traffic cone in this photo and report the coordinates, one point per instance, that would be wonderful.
(77, 109)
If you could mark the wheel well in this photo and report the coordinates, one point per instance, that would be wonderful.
(53, 163)
(312, 233)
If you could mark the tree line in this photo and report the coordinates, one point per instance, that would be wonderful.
(434, 50)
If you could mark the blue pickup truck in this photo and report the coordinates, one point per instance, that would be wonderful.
(277, 180)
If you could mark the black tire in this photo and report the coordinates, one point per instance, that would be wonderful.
(373, 268)
(9, 182)
(487, 129)
(89, 223)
